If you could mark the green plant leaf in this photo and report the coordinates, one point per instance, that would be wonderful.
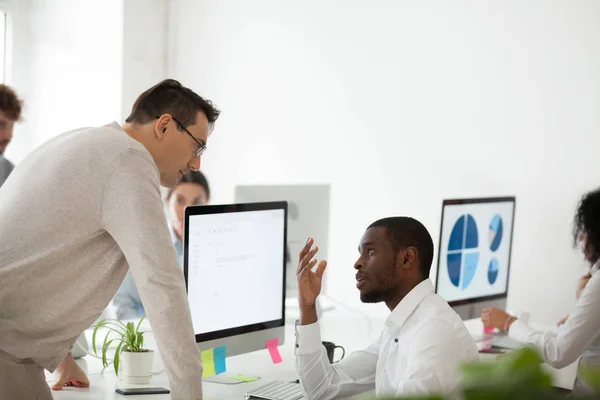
(137, 329)
(140, 341)
(104, 350)
(104, 324)
(117, 358)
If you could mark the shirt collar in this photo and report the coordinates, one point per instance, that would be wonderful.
(408, 304)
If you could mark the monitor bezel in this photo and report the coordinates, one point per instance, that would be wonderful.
(452, 202)
(229, 208)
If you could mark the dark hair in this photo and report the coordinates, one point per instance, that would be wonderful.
(170, 96)
(587, 221)
(10, 104)
(406, 232)
(196, 177)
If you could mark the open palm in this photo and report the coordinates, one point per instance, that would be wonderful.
(309, 282)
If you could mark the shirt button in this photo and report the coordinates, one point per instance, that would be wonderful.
(396, 340)
(297, 345)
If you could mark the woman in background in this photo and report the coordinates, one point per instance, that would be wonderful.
(580, 333)
(191, 190)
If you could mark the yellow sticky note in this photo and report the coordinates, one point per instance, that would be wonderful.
(244, 378)
(208, 363)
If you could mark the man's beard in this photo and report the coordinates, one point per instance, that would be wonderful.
(376, 296)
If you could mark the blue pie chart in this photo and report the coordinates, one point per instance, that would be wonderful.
(493, 271)
(463, 254)
(495, 233)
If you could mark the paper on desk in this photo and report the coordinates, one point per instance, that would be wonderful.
(220, 364)
(273, 350)
(208, 363)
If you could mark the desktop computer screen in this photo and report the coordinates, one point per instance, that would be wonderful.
(234, 265)
(474, 251)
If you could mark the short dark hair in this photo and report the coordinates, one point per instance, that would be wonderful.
(10, 104)
(195, 177)
(170, 96)
(406, 232)
(587, 221)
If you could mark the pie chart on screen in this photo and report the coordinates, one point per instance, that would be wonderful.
(495, 232)
(463, 252)
(493, 271)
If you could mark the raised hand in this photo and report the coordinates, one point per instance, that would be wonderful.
(309, 282)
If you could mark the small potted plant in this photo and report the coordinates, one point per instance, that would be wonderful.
(130, 354)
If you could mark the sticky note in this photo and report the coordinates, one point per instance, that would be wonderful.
(273, 350)
(220, 365)
(244, 378)
(208, 363)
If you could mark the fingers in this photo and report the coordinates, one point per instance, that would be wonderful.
(321, 268)
(305, 249)
(78, 383)
(60, 383)
(307, 260)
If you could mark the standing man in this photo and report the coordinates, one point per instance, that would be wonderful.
(76, 214)
(10, 112)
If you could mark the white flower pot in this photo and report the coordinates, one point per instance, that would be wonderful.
(136, 368)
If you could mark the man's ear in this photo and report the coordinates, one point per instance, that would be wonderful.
(160, 128)
(410, 257)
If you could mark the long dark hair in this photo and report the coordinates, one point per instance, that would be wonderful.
(587, 222)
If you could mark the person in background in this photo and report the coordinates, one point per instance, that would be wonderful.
(579, 333)
(65, 254)
(10, 112)
(424, 341)
(191, 190)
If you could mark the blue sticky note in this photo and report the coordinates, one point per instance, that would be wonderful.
(220, 365)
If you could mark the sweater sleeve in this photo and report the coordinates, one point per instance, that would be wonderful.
(132, 213)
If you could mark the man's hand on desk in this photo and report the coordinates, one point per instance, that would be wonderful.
(309, 282)
(70, 374)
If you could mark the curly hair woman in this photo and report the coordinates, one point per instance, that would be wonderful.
(579, 335)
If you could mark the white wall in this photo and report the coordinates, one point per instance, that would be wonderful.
(144, 48)
(402, 104)
(66, 67)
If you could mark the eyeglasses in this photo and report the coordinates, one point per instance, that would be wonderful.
(201, 146)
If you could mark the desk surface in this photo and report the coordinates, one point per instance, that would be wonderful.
(351, 330)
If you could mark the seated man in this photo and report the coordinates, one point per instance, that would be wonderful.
(424, 341)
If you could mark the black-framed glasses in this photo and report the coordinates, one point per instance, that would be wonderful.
(201, 146)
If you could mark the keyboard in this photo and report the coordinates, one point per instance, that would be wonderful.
(277, 390)
(506, 342)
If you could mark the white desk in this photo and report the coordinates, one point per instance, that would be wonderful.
(349, 330)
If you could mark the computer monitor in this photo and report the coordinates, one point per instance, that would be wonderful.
(234, 266)
(308, 216)
(474, 253)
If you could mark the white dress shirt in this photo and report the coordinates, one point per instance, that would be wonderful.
(419, 352)
(579, 336)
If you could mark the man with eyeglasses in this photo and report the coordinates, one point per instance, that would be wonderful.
(64, 254)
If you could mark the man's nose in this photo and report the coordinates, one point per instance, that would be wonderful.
(194, 165)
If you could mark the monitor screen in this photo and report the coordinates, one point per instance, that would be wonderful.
(474, 249)
(235, 268)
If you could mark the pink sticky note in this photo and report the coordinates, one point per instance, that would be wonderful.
(273, 350)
